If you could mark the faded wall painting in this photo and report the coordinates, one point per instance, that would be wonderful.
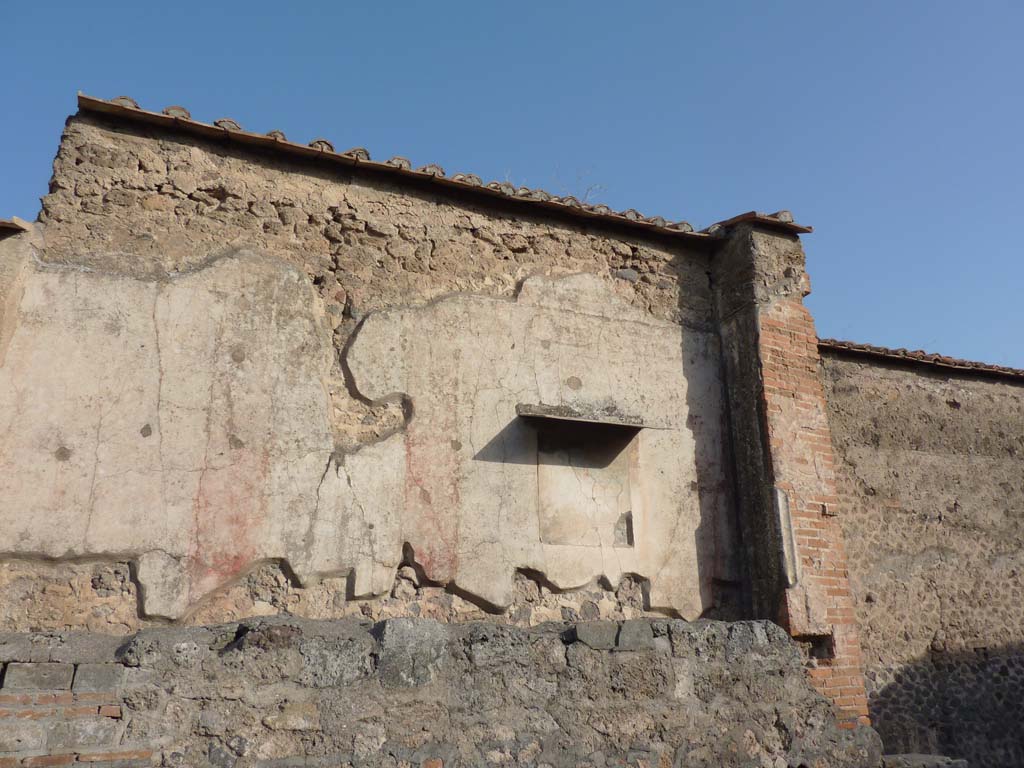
(184, 423)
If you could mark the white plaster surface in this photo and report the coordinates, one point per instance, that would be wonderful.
(472, 495)
(184, 423)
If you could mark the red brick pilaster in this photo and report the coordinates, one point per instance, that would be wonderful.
(785, 466)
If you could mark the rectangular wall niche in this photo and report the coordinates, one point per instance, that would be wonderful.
(586, 476)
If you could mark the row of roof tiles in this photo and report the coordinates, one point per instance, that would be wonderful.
(180, 118)
(918, 356)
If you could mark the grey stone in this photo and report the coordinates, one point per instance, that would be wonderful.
(84, 647)
(39, 675)
(331, 662)
(629, 275)
(98, 677)
(83, 732)
(412, 651)
(186, 653)
(473, 693)
(913, 760)
(599, 635)
(635, 635)
(15, 647)
(21, 735)
(221, 757)
(740, 640)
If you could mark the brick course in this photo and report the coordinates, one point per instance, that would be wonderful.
(804, 467)
(40, 727)
(789, 506)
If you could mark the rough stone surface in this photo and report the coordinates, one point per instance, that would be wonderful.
(44, 675)
(930, 474)
(98, 677)
(175, 380)
(599, 635)
(20, 736)
(411, 692)
(922, 761)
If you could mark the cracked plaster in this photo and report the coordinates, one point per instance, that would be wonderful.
(156, 263)
(184, 422)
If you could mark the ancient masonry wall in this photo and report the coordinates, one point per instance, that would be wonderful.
(820, 605)
(413, 693)
(782, 444)
(929, 473)
(243, 385)
(137, 217)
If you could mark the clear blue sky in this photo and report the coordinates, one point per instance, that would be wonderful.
(896, 129)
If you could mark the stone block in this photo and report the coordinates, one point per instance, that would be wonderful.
(599, 635)
(635, 635)
(15, 647)
(294, 716)
(331, 662)
(21, 735)
(628, 274)
(39, 675)
(98, 677)
(412, 651)
(83, 732)
(85, 648)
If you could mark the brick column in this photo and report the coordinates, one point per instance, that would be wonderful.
(782, 446)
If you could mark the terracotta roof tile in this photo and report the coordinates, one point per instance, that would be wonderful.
(179, 118)
(227, 124)
(919, 357)
(782, 220)
(175, 111)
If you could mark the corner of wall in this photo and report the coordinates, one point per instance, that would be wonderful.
(783, 451)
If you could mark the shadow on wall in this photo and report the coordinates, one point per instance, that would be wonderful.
(968, 705)
(717, 538)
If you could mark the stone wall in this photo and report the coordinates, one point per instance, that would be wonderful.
(411, 692)
(236, 375)
(239, 381)
(931, 475)
(784, 462)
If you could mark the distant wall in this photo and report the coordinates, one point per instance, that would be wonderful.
(931, 472)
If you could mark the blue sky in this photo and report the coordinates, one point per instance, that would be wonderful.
(896, 129)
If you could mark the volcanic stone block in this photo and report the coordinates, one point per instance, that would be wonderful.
(40, 675)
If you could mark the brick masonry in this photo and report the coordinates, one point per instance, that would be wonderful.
(49, 718)
(821, 604)
(784, 464)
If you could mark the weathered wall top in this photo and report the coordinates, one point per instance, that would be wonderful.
(226, 129)
(918, 357)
